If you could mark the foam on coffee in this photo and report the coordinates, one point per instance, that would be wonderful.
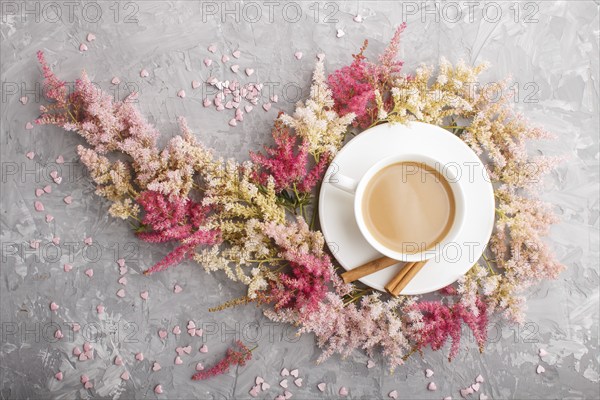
(408, 207)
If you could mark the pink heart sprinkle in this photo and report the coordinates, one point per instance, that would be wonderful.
(298, 382)
(259, 380)
(235, 68)
(125, 376)
(58, 334)
(393, 394)
(475, 387)
(100, 309)
(212, 48)
(83, 357)
(232, 122)
(83, 47)
(53, 306)
(483, 397)
(479, 379)
(122, 270)
(47, 189)
(285, 372)
(280, 397)
(208, 62)
(139, 357)
(49, 218)
(432, 386)
(540, 369)
(38, 206)
(178, 360)
(144, 73)
(118, 360)
(115, 81)
(265, 386)
(298, 55)
(60, 159)
(181, 94)
(220, 107)
(68, 199)
(254, 391)
(87, 347)
(206, 102)
(187, 349)
(24, 100)
(199, 332)
(34, 244)
(370, 364)
(88, 241)
(229, 105)
(358, 18)
(56, 240)
(121, 262)
(322, 386)
(144, 295)
(156, 367)
(162, 333)
(67, 267)
(76, 351)
(204, 349)
(158, 389)
(176, 330)
(88, 385)
(284, 383)
(54, 174)
(75, 327)
(236, 54)
(287, 394)
(267, 106)
(199, 367)
(195, 84)
(428, 373)
(84, 379)
(340, 33)
(225, 58)
(212, 81)
(30, 155)
(542, 353)
(343, 391)
(466, 392)
(249, 71)
(29, 126)
(122, 281)
(294, 373)
(39, 192)
(191, 324)
(179, 350)
(239, 117)
(59, 376)
(274, 98)
(91, 37)
(58, 180)
(89, 355)
(177, 289)
(121, 293)
(89, 272)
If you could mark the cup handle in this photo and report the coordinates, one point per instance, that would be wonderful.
(344, 183)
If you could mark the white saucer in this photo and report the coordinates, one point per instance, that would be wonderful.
(336, 214)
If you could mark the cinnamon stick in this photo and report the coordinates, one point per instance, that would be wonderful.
(410, 274)
(396, 279)
(368, 269)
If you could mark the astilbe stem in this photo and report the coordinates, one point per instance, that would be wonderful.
(233, 357)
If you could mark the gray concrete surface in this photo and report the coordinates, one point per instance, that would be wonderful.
(551, 50)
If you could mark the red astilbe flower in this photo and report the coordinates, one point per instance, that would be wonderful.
(442, 322)
(166, 219)
(233, 357)
(288, 162)
(354, 86)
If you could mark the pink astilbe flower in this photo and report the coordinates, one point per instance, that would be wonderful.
(166, 219)
(354, 87)
(441, 323)
(306, 285)
(233, 357)
(288, 162)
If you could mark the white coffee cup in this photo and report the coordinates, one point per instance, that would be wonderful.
(357, 188)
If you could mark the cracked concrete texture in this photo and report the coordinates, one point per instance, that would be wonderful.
(549, 48)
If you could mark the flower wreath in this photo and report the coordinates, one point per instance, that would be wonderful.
(255, 221)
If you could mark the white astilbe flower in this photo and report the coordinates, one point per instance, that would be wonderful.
(315, 121)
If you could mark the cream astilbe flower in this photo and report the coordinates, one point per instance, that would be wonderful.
(315, 121)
